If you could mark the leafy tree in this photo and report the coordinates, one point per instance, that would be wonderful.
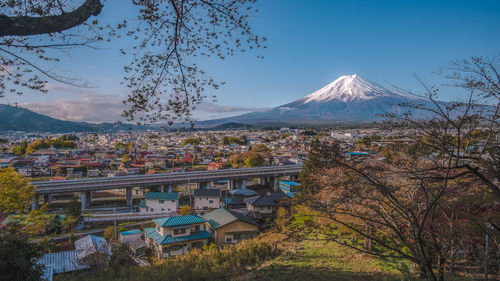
(37, 221)
(234, 140)
(73, 208)
(249, 158)
(15, 192)
(18, 257)
(165, 83)
(70, 223)
(125, 158)
(185, 210)
(422, 206)
(282, 217)
(59, 142)
(191, 141)
(260, 148)
(19, 149)
(255, 160)
(109, 233)
(121, 257)
(322, 155)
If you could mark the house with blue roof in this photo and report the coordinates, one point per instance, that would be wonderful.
(289, 187)
(130, 235)
(176, 235)
(159, 202)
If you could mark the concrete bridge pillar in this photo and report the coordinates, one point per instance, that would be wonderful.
(34, 203)
(203, 185)
(262, 181)
(276, 183)
(83, 200)
(166, 188)
(129, 197)
(88, 197)
(237, 184)
(242, 184)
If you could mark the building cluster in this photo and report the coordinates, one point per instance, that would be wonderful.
(224, 212)
(142, 152)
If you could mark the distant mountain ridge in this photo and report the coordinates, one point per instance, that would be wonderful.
(348, 99)
(22, 119)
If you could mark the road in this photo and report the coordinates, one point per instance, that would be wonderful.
(83, 233)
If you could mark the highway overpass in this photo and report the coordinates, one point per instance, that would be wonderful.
(272, 173)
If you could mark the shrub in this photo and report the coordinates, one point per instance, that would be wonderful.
(211, 263)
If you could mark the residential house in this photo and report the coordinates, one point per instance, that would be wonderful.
(133, 239)
(262, 204)
(229, 227)
(159, 202)
(176, 235)
(215, 166)
(130, 235)
(207, 199)
(89, 250)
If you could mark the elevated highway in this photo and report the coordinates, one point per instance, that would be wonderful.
(144, 181)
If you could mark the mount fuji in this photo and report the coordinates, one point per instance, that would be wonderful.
(348, 99)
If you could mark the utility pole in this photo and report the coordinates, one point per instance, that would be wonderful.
(114, 214)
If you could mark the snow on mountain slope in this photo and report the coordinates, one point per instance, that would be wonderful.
(349, 98)
(349, 88)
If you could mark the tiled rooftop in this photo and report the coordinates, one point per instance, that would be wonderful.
(179, 220)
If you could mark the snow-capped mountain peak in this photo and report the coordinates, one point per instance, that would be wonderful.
(348, 88)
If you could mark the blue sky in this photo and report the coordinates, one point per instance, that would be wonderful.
(310, 44)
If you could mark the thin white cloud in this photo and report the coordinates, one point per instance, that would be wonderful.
(90, 105)
(209, 110)
(218, 108)
(84, 105)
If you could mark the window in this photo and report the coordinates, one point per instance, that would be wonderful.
(196, 228)
(211, 201)
(236, 236)
(198, 244)
(229, 239)
(163, 209)
(152, 209)
(173, 201)
(179, 231)
(157, 229)
(161, 201)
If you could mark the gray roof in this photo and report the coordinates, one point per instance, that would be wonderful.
(222, 216)
(260, 201)
(60, 262)
(276, 195)
(91, 244)
(243, 192)
(206, 193)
